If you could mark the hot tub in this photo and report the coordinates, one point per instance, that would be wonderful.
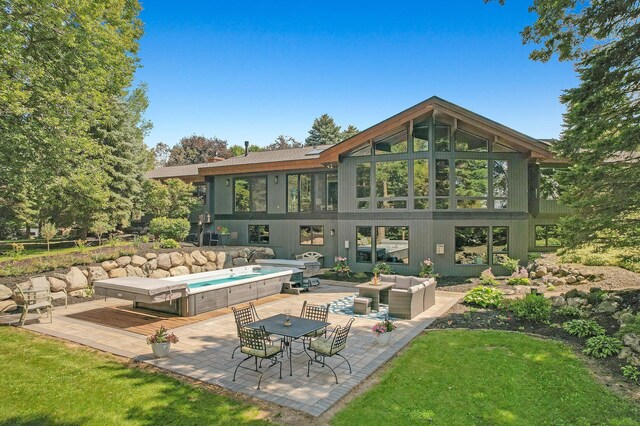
(205, 291)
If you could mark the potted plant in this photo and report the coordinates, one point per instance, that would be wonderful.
(222, 230)
(161, 342)
(383, 332)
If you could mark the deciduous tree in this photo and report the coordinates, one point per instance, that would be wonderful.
(196, 149)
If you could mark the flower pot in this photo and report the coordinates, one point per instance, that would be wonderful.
(160, 350)
(383, 339)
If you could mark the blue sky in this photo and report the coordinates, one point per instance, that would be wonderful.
(254, 70)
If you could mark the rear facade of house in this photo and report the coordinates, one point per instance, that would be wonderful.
(435, 181)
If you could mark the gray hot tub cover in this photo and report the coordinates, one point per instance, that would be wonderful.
(140, 289)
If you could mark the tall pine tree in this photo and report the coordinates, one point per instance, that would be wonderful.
(324, 131)
(601, 136)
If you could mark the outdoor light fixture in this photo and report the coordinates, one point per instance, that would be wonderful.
(228, 182)
(275, 179)
(333, 232)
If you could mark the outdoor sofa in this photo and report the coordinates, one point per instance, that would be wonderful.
(410, 296)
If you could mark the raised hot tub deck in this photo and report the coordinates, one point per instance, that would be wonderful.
(190, 295)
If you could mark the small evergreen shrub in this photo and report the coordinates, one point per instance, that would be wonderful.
(532, 307)
(602, 346)
(169, 243)
(175, 229)
(583, 328)
(485, 297)
(518, 281)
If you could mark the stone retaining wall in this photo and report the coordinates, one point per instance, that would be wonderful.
(77, 280)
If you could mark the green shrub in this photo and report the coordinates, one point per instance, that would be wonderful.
(532, 307)
(511, 265)
(163, 227)
(360, 275)
(533, 255)
(518, 281)
(485, 297)
(630, 372)
(602, 346)
(570, 311)
(583, 328)
(168, 243)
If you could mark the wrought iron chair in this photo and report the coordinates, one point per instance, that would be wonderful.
(323, 347)
(255, 343)
(244, 315)
(317, 313)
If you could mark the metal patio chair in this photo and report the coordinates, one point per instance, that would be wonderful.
(324, 347)
(255, 343)
(317, 313)
(243, 316)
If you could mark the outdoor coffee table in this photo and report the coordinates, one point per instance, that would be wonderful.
(377, 293)
(298, 328)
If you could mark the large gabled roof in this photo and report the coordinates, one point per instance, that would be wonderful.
(535, 147)
(323, 155)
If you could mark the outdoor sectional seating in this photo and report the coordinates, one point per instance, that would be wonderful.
(410, 296)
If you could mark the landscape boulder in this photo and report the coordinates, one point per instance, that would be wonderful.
(56, 284)
(123, 261)
(221, 258)
(108, 265)
(133, 271)
(576, 302)
(164, 261)
(240, 261)
(117, 273)
(632, 341)
(571, 279)
(97, 273)
(198, 258)
(558, 301)
(607, 306)
(179, 270)
(151, 256)
(209, 266)
(211, 256)
(5, 292)
(188, 260)
(138, 260)
(159, 273)
(75, 280)
(8, 305)
(176, 259)
(150, 266)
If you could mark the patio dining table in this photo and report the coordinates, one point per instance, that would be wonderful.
(298, 328)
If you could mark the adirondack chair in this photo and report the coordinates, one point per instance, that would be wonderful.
(35, 297)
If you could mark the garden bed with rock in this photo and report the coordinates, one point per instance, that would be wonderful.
(77, 280)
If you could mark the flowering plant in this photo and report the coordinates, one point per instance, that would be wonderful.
(381, 268)
(162, 335)
(385, 326)
(487, 277)
(427, 269)
(222, 229)
(341, 266)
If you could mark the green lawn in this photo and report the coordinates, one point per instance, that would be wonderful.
(45, 382)
(487, 378)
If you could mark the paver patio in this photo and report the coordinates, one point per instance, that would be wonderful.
(205, 347)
